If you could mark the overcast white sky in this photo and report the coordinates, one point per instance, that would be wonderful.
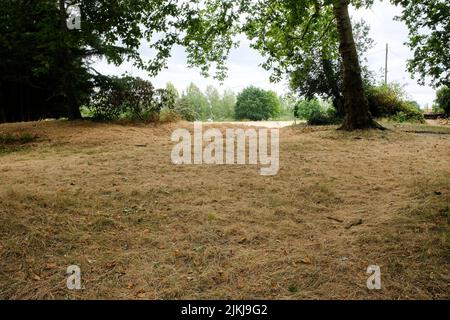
(244, 62)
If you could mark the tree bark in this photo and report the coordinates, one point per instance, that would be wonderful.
(70, 100)
(357, 115)
(2, 107)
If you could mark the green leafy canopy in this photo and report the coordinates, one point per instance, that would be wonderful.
(428, 22)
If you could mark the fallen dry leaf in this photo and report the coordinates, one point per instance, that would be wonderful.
(306, 260)
(243, 240)
(51, 266)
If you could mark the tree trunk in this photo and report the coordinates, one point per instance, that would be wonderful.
(70, 100)
(357, 115)
(74, 112)
(2, 111)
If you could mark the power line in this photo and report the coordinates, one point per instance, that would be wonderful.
(396, 54)
(374, 52)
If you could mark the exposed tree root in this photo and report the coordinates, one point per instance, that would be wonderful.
(366, 125)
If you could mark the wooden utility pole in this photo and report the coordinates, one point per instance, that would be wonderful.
(386, 64)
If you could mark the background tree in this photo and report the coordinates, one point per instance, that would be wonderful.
(257, 104)
(214, 101)
(274, 103)
(443, 99)
(428, 22)
(172, 90)
(288, 102)
(210, 105)
(228, 105)
(194, 99)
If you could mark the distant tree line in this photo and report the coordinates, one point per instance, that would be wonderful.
(250, 104)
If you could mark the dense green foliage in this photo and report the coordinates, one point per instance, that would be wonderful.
(131, 98)
(288, 102)
(185, 111)
(194, 99)
(211, 105)
(45, 68)
(257, 104)
(443, 99)
(228, 103)
(33, 72)
(316, 75)
(316, 112)
(280, 30)
(428, 22)
(222, 107)
(389, 101)
(135, 99)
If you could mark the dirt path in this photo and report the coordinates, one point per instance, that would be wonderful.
(265, 124)
(141, 227)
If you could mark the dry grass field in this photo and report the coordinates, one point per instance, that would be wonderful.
(106, 197)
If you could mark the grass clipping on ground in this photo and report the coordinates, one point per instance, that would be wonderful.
(142, 228)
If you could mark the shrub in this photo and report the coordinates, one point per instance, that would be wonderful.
(143, 101)
(130, 98)
(405, 117)
(409, 113)
(107, 103)
(185, 111)
(169, 115)
(304, 109)
(389, 102)
(316, 112)
(257, 104)
(180, 111)
(443, 99)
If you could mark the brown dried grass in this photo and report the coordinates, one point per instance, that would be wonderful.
(141, 228)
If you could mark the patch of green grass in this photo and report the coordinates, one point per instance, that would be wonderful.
(10, 149)
(17, 139)
(293, 289)
(417, 128)
(15, 142)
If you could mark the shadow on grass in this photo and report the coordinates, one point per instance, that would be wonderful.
(15, 142)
